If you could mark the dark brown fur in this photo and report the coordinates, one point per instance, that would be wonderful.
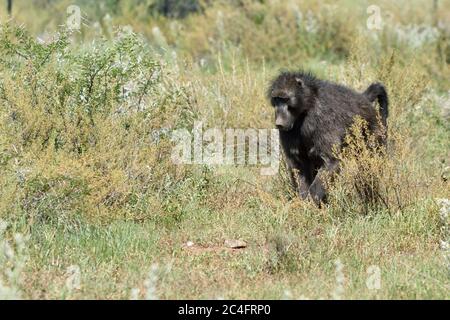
(313, 116)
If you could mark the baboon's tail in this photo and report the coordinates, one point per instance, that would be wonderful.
(378, 92)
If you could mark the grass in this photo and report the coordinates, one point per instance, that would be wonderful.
(85, 124)
(112, 257)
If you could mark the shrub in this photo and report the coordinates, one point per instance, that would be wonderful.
(78, 136)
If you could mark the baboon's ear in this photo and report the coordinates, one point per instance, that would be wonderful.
(299, 81)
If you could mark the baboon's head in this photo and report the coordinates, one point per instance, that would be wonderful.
(291, 95)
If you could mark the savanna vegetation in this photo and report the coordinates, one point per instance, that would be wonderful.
(92, 206)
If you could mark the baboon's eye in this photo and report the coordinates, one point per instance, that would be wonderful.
(280, 100)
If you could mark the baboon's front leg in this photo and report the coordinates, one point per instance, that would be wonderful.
(317, 188)
(300, 182)
(299, 179)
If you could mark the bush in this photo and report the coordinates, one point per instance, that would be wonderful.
(79, 135)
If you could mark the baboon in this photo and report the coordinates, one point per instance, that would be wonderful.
(313, 116)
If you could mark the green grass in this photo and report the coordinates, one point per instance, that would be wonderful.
(87, 182)
(116, 258)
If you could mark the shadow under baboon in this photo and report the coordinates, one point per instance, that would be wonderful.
(313, 117)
